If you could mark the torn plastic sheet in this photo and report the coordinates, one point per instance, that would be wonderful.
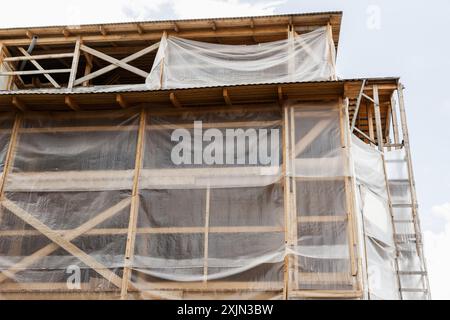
(377, 221)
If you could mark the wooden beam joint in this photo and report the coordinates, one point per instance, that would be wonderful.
(103, 31)
(19, 104)
(71, 103)
(174, 101)
(226, 97)
(280, 95)
(139, 28)
(29, 34)
(123, 103)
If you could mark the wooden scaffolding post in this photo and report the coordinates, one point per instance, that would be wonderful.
(349, 190)
(332, 51)
(291, 49)
(1, 59)
(376, 105)
(134, 207)
(353, 213)
(75, 59)
(9, 157)
(286, 185)
(4, 53)
(206, 234)
(394, 122)
(293, 196)
(161, 71)
(10, 153)
(370, 121)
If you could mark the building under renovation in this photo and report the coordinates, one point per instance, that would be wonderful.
(202, 159)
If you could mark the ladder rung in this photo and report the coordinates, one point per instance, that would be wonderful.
(398, 180)
(394, 145)
(412, 273)
(396, 160)
(403, 221)
(413, 250)
(413, 290)
(402, 205)
(407, 241)
(407, 238)
(406, 235)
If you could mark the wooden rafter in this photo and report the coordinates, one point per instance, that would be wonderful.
(19, 104)
(280, 95)
(226, 97)
(120, 99)
(139, 28)
(103, 30)
(174, 100)
(71, 103)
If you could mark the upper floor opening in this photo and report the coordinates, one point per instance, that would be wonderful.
(76, 57)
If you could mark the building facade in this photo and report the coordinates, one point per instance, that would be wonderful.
(202, 159)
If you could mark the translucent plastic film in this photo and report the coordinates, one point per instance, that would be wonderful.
(376, 220)
(214, 220)
(211, 205)
(178, 204)
(4, 80)
(66, 194)
(320, 173)
(182, 63)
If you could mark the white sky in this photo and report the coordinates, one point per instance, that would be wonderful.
(409, 40)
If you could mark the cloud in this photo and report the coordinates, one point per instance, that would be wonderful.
(222, 8)
(438, 254)
(191, 9)
(76, 12)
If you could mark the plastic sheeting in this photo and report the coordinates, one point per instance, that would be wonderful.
(74, 176)
(182, 63)
(232, 204)
(206, 221)
(72, 183)
(378, 233)
(319, 169)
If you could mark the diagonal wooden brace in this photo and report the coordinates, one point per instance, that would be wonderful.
(113, 66)
(39, 67)
(63, 241)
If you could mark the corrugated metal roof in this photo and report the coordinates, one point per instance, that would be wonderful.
(143, 88)
(182, 20)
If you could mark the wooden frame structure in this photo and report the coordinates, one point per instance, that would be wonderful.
(85, 50)
(81, 67)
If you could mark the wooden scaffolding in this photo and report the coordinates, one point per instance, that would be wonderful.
(72, 84)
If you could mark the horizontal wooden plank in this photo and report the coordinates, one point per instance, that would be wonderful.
(31, 72)
(39, 57)
(312, 219)
(142, 231)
